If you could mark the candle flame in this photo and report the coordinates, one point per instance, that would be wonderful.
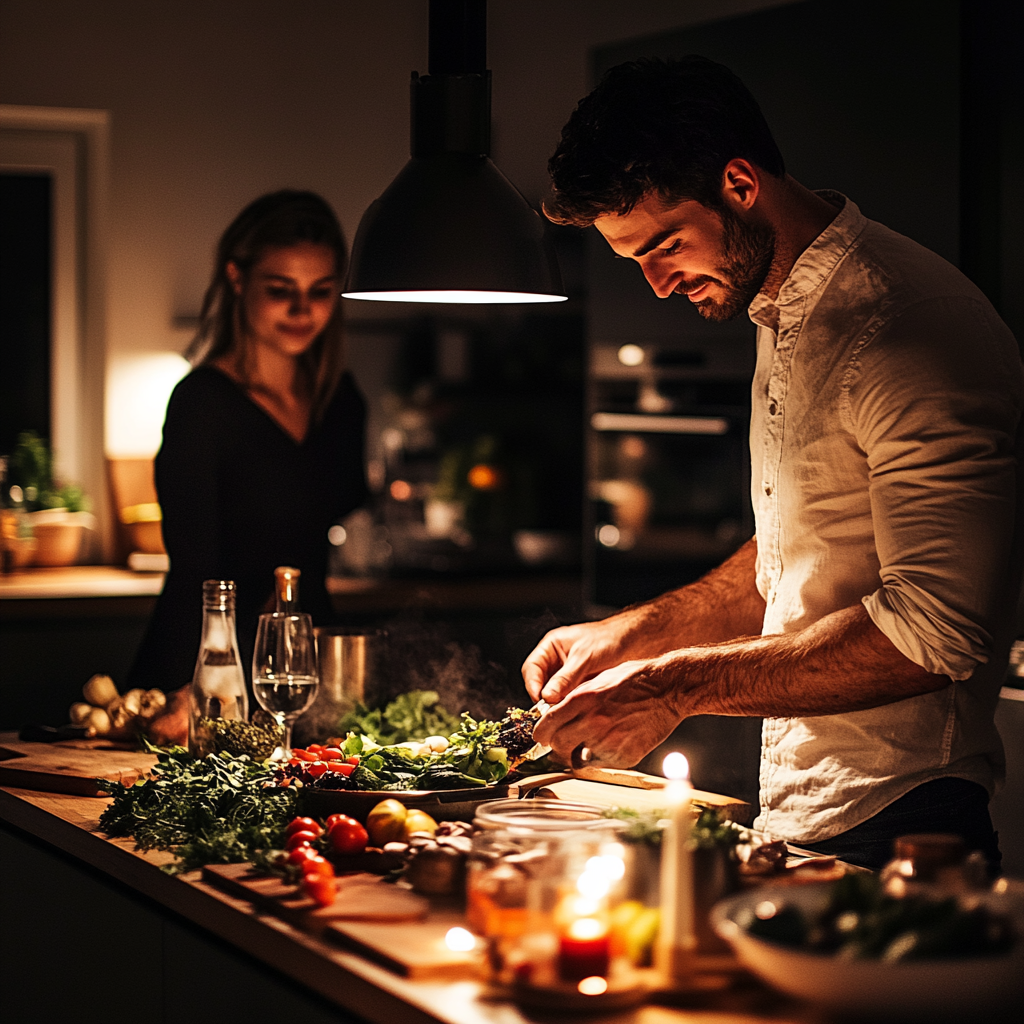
(593, 986)
(459, 940)
(585, 929)
(675, 766)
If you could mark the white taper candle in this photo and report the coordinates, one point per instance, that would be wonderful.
(676, 936)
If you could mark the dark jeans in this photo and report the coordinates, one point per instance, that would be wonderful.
(943, 805)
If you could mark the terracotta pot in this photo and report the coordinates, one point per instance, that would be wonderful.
(58, 534)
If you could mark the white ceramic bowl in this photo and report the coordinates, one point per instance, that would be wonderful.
(983, 989)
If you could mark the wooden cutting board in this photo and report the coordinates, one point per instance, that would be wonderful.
(411, 950)
(66, 769)
(622, 787)
(360, 897)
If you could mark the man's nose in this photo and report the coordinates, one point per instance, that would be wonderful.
(300, 302)
(659, 278)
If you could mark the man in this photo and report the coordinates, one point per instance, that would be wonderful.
(868, 621)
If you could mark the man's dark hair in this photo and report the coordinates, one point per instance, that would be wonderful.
(656, 127)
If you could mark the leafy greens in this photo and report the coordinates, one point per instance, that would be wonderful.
(213, 810)
(410, 716)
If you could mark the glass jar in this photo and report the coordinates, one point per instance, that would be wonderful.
(540, 816)
(551, 904)
(218, 695)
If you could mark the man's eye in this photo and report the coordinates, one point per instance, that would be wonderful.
(275, 291)
(321, 294)
(671, 248)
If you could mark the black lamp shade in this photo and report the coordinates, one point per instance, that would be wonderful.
(452, 228)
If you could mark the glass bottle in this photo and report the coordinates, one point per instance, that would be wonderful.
(218, 683)
(286, 589)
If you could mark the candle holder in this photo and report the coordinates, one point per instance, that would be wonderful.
(551, 908)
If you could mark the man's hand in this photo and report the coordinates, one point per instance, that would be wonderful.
(722, 605)
(570, 654)
(621, 714)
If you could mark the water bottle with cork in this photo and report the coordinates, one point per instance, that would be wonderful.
(218, 684)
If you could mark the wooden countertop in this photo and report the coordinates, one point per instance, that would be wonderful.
(348, 594)
(70, 823)
(79, 581)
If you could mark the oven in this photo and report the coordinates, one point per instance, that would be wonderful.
(668, 471)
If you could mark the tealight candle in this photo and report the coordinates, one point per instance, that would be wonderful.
(584, 950)
(676, 936)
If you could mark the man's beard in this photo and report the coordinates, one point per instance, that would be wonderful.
(747, 254)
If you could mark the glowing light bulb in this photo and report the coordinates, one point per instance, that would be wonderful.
(593, 986)
(631, 355)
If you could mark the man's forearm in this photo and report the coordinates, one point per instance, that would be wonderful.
(720, 606)
(842, 663)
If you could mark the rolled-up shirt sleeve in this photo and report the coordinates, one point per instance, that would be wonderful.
(940, 443)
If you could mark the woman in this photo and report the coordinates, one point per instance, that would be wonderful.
(263, 441)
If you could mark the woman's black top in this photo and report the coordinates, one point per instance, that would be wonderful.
(240, 497)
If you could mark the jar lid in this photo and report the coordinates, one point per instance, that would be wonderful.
(934, 849)
(540, 815)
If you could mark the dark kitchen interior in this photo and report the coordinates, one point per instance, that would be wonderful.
(913, 108)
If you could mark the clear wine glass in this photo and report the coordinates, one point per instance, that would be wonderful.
(284, 669)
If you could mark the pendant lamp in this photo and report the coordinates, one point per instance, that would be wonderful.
(451, 227)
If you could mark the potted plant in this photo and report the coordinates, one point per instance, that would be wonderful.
(59, 514)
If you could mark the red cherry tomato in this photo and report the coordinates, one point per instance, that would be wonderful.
(342, 767)
(319, 865)
(315, 747)
(299, 839)
(316, 769)
(303, 825)
(301, 854)
(332, 754)
(353, 760)
(333, 820)
(321, 890)
(347, 836)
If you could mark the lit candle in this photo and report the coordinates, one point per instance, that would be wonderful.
(584, 950)
(676, 938)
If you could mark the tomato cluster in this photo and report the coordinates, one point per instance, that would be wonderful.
(344, 836)
(318, 764)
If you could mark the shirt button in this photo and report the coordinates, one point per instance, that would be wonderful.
(768, 489)
(773, 409)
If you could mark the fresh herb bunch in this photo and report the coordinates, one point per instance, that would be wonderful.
(410, 716)
(215, 810)
(710, 831)
(642, 827)
(236, 736)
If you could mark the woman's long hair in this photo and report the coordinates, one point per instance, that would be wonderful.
(284, 218)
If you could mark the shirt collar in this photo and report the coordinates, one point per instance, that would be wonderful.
(816, 262)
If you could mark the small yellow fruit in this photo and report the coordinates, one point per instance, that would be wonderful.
(419, 821)
(386, 822)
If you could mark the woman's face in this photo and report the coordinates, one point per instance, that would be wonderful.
(288, 296)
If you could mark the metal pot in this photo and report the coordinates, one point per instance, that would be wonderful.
(350, 663)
